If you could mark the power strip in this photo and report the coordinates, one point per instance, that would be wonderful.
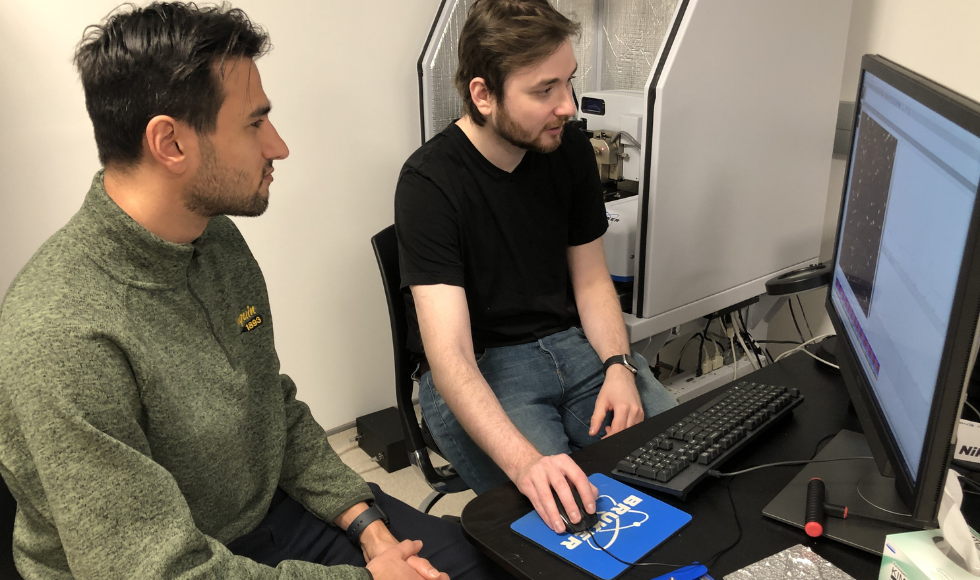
(686, 386)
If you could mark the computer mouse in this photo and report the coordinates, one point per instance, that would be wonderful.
(588, 520)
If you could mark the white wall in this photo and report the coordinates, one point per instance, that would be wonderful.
(937, 39)
(342, 79)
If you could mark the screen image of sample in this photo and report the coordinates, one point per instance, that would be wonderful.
(871, 175)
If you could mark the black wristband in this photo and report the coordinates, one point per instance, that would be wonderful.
(367, 517)
(621, 359)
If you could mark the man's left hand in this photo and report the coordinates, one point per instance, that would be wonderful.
(619, 395)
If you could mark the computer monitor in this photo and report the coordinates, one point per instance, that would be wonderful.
(905, 296)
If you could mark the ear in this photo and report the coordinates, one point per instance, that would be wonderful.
(169, 143)
(481, 96)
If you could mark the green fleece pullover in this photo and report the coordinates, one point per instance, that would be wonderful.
(143, 420)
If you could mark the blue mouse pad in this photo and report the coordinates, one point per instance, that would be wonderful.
(630, 525)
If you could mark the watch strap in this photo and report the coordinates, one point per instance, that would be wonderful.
(366, 518)
(621, 359)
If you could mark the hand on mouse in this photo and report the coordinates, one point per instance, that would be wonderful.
(537, 478)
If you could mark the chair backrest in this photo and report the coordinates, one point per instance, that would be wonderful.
(385, 246)
(8, 510)
(386, 251)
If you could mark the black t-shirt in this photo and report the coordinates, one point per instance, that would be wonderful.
(502, 237)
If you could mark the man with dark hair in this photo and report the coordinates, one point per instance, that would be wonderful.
(500, 221)
(145, 429)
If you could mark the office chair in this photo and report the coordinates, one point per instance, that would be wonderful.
(8, 509)
(442, 479)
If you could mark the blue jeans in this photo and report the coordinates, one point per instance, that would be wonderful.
(548, 388)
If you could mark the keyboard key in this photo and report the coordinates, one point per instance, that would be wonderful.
(682, 432)
(626, 466)
(646, 471)
(689, 435)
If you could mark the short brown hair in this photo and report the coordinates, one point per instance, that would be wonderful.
(502, 36)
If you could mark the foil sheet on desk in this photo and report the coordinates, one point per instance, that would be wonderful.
(796, 563)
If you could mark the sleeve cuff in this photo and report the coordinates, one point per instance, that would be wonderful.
(347, 505)
(430, 279)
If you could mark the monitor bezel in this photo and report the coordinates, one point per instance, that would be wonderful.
(923, 495)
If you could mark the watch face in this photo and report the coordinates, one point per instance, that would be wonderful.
(623, 359)
(631, 364)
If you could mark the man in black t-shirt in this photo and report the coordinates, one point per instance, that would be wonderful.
(500, 221)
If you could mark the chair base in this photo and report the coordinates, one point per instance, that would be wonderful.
(430, 500)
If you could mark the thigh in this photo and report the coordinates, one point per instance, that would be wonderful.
(474, 466)
(582, 373)
(527, 381)
(583, 369)
(443, 543)
(290, 532)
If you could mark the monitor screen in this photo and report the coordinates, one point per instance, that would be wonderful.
(906, 214)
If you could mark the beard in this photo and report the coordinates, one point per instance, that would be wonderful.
(518, 136)
(220, 190)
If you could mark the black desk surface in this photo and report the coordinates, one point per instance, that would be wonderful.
(824, 412)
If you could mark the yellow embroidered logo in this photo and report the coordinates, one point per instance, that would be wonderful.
(249, 320)
(249, 313)
(252, 324)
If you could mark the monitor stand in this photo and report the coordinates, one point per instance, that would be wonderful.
(875, 510)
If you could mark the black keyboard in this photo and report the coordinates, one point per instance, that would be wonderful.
(677, 459)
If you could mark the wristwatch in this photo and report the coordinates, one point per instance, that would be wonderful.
(367, 517)
(621, 359)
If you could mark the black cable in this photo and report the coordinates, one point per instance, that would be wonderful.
(769, 355)
(803, 312)
(742, 321)
(969, 405)
(820, 443)
(710, 562)
(792, 313)
(974, 484)
(614, 557)
(700, 370)
(745, 333)
(677, 368)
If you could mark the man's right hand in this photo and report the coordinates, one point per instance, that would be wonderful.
(537, 478)
(392, 564)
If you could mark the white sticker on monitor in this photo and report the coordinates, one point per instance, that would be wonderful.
(968, 441)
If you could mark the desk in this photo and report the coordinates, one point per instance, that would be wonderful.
(486, 520)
